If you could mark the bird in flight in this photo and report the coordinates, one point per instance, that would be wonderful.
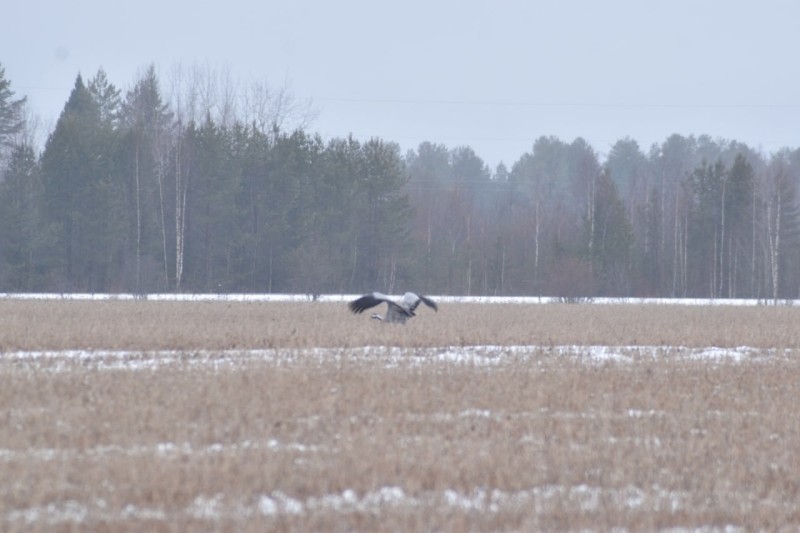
(398, 309)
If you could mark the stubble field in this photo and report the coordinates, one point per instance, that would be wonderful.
(172, 416)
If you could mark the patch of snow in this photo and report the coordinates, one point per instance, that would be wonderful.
(523, 300)
(287, 504)
(142, 513)
(54, 513)
(205, 508)
(267, 506)
(164, 449)
(637, 413)
(479, 500)
(487, 356)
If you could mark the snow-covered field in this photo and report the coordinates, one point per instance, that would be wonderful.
(480, 501)
(390, 357)
(617, 436)
(217, 508)
(235, 297)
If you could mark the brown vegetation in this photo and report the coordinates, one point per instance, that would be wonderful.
(151, 325)
(353, 443)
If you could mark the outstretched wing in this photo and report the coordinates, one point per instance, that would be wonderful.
(366, 302)
(412, 300)
(430, 303)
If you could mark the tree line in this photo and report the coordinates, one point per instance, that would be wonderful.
(133, 193)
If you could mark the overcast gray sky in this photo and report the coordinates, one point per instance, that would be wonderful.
(493, 75)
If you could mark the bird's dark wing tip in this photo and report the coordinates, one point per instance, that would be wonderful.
(360, 304)
(430, 303)
(356, 306)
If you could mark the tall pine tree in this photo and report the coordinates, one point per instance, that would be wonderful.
(75, 177)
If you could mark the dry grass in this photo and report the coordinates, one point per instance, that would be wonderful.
(356, 444)
(138, 325)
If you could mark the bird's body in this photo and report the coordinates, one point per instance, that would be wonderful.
(398, 309)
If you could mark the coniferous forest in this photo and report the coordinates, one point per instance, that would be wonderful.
(134, 191)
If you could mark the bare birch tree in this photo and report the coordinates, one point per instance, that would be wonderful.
(147, 120)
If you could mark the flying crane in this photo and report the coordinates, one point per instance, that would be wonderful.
(398, 309)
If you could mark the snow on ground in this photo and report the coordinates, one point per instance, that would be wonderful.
(218, 507)
(236, 297)
(477, 356)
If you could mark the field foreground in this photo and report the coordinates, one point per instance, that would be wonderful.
(156, 416)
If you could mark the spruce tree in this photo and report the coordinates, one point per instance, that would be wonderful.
(75, 180)
(11, 121)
